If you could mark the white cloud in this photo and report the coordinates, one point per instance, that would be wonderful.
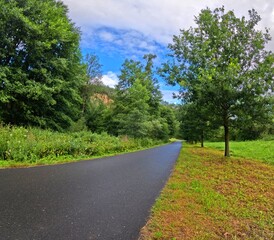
(110, 79)
(106, 36)
(168, 96)
(157, 19)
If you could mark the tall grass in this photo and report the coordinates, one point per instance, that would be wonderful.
(28, 145)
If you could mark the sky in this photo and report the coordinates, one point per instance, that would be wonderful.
(118, 29)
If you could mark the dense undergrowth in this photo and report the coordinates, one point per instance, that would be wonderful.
(20, 145)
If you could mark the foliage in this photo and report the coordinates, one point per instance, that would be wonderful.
(196, 123)
(97, 97)
(33, 145)
(133, 70)
(137, 107)
(133, 110)
(40, 67)
(94, 71)
(222, 64)
(168, 114)
(45, 83)
(98, 116)
(93, 80)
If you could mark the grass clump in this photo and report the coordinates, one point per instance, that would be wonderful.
(212, 197)
(31, 146)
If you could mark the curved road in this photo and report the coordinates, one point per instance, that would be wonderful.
(107, 198)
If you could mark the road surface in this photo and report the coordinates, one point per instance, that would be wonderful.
(108, 198)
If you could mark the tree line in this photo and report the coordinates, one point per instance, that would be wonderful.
(222, 66)
(134, 108)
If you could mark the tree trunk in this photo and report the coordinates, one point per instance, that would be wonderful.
(202, 139)
(227, 154)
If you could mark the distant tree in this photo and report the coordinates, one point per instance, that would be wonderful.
(137, 107)
(132, 70)
(248, 127)
(196, 123)
(167, 112)
(94, 69)
(222, 63)
(93, 82)
(133, 111)
(96, 115)
(40, 64)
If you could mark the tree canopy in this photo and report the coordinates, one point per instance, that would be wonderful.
(137, 107)
(40, 64)
(223, 65)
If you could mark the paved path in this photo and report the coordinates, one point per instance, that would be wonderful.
(106, 199)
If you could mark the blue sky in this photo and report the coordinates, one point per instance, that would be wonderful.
(119, 29)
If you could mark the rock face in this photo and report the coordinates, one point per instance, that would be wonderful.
(99, 97)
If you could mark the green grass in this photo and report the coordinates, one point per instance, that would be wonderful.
(212, 197)
(260, 149)
(25, 147)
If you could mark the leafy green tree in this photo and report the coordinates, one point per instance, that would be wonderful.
(157, 129)
(196, 122)
(248, 127)
(133, 70)
(95, 116)
(93, 82)
(94, 69)
(138, 111)
(167, 112)
(222, 64)
(40, 64)
(133, 111)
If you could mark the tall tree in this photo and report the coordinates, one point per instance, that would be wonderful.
(94, 69)
(133, 70)
(93, 79)
(138, 111)
(133, 111)
(40, 64)
(223, 64)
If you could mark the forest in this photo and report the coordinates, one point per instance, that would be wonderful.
(222, 66)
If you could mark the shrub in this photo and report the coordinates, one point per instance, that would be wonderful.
(20, 144)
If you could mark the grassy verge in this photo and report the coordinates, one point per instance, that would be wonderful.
(27, 147)
(260, 149)
(210, 197)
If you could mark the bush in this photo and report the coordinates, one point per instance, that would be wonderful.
(20, 144)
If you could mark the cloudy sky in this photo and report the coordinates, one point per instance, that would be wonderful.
(119, 29)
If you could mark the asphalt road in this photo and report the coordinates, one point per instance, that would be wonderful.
(108, 198)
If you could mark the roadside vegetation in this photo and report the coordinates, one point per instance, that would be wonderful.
(32, 146)
(211, 197)
(53, 103)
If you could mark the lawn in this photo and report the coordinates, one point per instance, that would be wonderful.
(212, 197)
(260, 150)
